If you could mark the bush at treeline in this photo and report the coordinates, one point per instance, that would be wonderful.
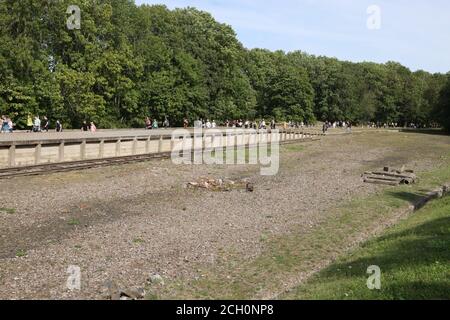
(128, 62)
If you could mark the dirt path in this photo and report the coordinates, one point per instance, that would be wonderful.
(126, 223)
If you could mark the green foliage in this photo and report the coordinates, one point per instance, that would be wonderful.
(128, 61)
(442, 108)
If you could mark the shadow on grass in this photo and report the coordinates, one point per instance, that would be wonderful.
(414, 263)
(411, 197)
(439, 132)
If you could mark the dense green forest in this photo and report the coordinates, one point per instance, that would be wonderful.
(128, 61)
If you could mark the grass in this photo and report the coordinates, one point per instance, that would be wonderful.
(138, 241)
(21, 253)
(8, 210)
(74, 222)
(413, 257)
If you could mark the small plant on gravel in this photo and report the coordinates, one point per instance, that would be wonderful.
(8, 210)
(138, 241)
(21, 253)
(74, 222)
(264, 237)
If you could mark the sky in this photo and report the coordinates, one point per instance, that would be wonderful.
(415, 33)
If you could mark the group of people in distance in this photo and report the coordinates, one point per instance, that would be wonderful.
(34, 125)
(38, 125)
(337, 124)
(154, 124)
(250, 124)
(85, 127)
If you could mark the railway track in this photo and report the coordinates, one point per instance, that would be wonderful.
(10, 172)
(77, 165)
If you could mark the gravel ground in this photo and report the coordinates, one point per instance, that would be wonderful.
(128, 222)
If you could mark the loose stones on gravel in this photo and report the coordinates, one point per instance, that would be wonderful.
(113, 292)
(221, 184)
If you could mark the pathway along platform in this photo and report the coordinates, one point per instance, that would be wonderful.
(21, 149)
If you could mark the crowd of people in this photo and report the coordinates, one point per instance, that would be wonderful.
(247, 124)
(154, 124)
(337, 124)
(36, 124)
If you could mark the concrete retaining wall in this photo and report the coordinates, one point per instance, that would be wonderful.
(44, 151)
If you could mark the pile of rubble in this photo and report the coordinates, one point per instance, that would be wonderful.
(391, 177)
(221, 184)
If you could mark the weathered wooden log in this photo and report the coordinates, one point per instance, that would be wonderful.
(385, 182)
(386, 178)
(392, 174)
(398, 180)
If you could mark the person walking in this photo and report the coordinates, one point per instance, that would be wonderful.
(37, 124)
(273, 125)
(93, 127)
(30, 123)
(166, 123)
(4, 125)
(46, 124)
(148, 123)
(59, 127)
(10, 124)
(85, 127)
(325, 128)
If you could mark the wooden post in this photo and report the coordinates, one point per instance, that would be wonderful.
(61, 152)
(37, 153)
(12, 156)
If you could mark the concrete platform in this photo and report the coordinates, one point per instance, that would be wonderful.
(20, 149)
(78, 135)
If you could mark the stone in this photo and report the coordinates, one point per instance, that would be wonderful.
(156, 279)
(134, 294)
(111, 290)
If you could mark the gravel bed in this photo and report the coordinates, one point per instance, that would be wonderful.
(129, 222)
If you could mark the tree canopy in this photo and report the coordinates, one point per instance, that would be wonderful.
(127, 62)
